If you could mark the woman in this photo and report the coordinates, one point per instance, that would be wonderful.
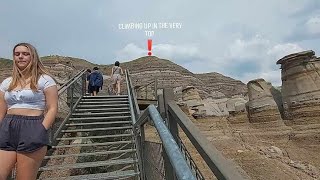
(24, 97)
(116, 73)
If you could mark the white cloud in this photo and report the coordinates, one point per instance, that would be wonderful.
(244, 50)
(307, 29)
(273, 76)
(313, 26)
(129, 52)
(261, 51)
(178, 52)
(280, 50)
(228, 37)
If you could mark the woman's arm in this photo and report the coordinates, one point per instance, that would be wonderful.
(51, 94)
(111, 72)
(3, 106)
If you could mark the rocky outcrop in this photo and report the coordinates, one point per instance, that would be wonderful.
(215, 82)
(170, 75)
(198, 107)
(192, 99)
(300, 74)
(261, 106)
(236, 104)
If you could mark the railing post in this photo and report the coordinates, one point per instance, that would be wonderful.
(171, 122)
(71, 98)
(142, 146)
(156, 88)
(147, 92)
(168, 95)
(160, 107)
(84, 84)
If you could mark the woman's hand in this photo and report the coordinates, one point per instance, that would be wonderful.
(46, 126)
(3, 106)
(51, 94)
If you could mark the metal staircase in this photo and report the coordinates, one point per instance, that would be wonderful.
(97, 142)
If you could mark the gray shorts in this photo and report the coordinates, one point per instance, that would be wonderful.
(23, 133)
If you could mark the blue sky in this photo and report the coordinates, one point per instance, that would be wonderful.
(241, 39)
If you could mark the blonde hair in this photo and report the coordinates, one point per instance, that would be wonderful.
(34, 69)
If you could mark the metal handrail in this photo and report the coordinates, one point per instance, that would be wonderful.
(70, 81)
(145, 85)
(179, 164)
(61, 90)
(134, 109)
(220, 166)
(135, 112)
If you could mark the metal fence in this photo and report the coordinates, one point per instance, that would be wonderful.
(218, 164)
(160, 162)
(69, 96)
(175, 164)
(153, 160)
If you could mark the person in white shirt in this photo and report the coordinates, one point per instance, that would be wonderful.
(28, 106)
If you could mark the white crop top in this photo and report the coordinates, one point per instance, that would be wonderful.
(26, 98)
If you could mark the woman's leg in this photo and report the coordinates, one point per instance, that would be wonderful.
(114, 87)
(7, 162)
(118, 84)
(29, 163)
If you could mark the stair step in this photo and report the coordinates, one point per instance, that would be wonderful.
(105, 99)
(89, 164)
(96, 129)
(91, 154)
(102, 106)
(104, 102)
(109, 96)
(104, 113)
(94, 137)
(99, 118)
(101, 176)
(99, 123)
(92, 144)
(103, 109)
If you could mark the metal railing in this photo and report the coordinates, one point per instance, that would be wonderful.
(69, 95)
(148, 91)
(175, 160)
(167, 119)
(180, 167)
(135, 112)
(175, 117)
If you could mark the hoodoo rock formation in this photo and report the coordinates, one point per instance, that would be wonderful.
(261, 105)
(301, 86)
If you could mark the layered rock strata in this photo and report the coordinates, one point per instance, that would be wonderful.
(300, 74)
(144, 70)
(261, 106)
